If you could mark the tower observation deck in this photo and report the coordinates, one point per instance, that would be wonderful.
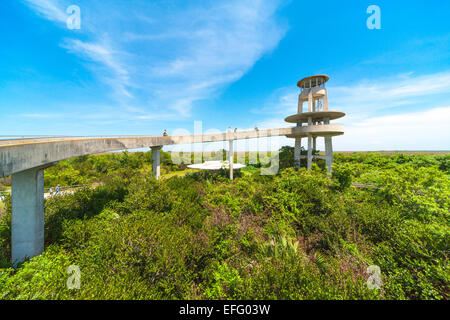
(317, 120)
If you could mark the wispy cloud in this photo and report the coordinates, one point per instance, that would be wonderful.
(50, 9)
(386, 93)
(110, 68)
(424, 130)
(381, 113)
(369, 96)
(42, 115)
(282, 101)
(166, 57)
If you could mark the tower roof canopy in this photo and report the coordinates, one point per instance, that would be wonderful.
(315, 80)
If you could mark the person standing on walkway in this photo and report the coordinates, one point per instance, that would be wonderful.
(57, 189)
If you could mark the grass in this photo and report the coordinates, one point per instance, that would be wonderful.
(181, 173)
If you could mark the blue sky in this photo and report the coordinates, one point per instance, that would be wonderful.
(139, 67)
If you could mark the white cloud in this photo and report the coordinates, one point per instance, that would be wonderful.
(50, 9)
(366, 103)
(116, 75)
(385, 93)
(368, 96)
(166, 57)
(282, 102)
(41, 115)
(426, 130)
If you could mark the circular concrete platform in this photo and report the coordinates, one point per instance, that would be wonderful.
(320, 130)
(315, 116)
(304, 83)
(215, 165)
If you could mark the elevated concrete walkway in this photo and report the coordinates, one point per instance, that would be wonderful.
(26, 159)
(20, 155)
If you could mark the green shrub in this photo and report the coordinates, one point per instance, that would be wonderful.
(294, 235)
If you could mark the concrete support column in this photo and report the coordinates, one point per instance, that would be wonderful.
(27, 220)
(297, 152)
(156, 161)
(325, 102)
(310, 102)
(314, 143)
(300, 104)
(231, 155)
(329, 153)
(309, 158)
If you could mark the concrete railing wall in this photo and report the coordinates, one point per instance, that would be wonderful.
(21, 155)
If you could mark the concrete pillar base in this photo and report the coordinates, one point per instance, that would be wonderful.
(297, 153)
(309, 158)
(156, 161)
(329, 154)
(27, 220)
(231, 155)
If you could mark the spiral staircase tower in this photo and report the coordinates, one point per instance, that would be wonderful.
(315, 122)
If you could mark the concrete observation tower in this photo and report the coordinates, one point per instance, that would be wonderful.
(315, 122)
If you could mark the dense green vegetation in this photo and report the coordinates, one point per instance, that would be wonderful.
(93, 169)
(295, 235)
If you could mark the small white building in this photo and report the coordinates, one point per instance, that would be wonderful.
(215, 165)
